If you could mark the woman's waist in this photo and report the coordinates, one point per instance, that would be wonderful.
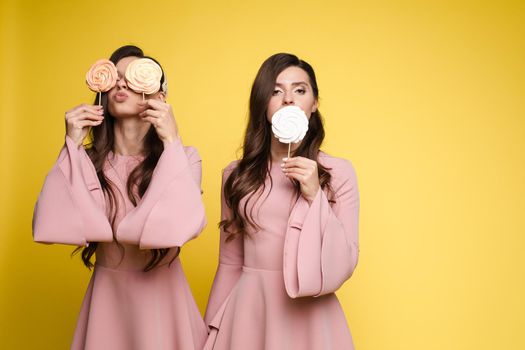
(129, 257)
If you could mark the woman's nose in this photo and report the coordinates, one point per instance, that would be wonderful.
(121, 83)
(288, 98)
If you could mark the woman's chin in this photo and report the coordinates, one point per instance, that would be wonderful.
(121, 113)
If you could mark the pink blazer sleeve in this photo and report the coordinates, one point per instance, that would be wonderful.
(321, 245)
(171, 211)
(231, 260)
(71, 208)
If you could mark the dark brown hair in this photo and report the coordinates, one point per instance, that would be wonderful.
(102, 142)
(247, 179)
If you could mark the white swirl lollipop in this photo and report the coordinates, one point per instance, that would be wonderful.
(289, 124)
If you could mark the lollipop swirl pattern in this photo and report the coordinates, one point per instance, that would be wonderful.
(102, 76)
(143, 76)
(289, 124)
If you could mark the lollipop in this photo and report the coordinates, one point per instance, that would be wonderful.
(101, 77)
(143, 76)
(289, 124)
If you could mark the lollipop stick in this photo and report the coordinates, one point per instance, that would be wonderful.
(143, 97)
(100, 98)
(289, 145)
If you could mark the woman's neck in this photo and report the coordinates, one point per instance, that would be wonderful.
(279, 150)
(129, 136)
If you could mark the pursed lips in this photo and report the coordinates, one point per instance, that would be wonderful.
(121, 96)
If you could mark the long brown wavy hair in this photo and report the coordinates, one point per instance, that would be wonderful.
(102, 141)
(247, 179)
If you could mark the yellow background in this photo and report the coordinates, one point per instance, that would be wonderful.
(425, 97)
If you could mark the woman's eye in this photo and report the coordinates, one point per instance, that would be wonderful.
(301, 91)
(276, 92)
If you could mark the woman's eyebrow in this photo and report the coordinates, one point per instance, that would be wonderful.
(293, 84)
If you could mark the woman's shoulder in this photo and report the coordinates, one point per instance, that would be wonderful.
(226, 172)
(330, 161)
(192, 153)
(341, 169)
(231, 166)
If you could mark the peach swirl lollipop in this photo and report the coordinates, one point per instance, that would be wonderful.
(101, 77)
(289, 124)
(143, 76)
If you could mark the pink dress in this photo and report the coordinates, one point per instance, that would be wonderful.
(124, 307)
(274, 289)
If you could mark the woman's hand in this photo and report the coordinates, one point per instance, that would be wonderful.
(303, 170)
(80, 118)
(160, 115)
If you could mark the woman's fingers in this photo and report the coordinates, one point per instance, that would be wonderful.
(295, 170)
(84, 112)
(155, 109)
(302, 166)
(84, 116)
(84, 109)
(297, 176)
(300, 162)
(303, 170)
(153, 113)
(160, 115)
(80, 118)
(152, 120)
(82, 124)
(154, 104)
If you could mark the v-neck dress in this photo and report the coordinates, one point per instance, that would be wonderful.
(125, 307)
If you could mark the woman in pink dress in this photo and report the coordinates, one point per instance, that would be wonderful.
(289, 228)
(133, 198)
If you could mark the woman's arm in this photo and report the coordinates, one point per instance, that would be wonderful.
(321, 246)
(71, 207)
(171, 211)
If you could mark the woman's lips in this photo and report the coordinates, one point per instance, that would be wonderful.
(121, 96)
